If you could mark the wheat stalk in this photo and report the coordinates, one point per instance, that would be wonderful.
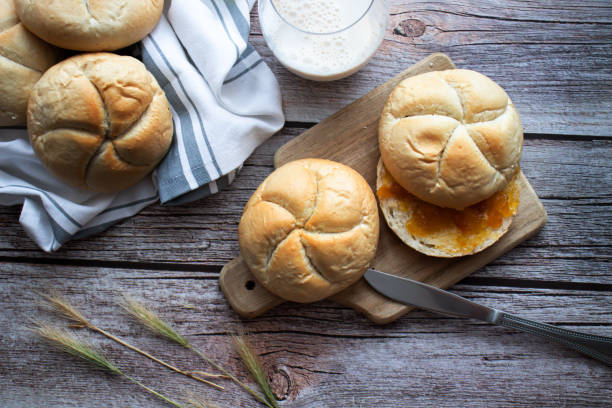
(156, 324)
(58, 304)
(253, 363)
(74, 345)
(199, 402)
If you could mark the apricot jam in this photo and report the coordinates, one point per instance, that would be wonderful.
(464, 229)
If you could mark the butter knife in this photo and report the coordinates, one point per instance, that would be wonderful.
(428, 297)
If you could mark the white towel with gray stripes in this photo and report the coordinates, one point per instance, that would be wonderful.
(225, 102)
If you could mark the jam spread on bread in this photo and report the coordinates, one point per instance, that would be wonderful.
(467, 228)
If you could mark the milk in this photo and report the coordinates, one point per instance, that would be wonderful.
(311, 38)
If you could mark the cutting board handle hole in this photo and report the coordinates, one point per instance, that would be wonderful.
(250, 285)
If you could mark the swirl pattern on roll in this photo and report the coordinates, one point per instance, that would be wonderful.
(452, 138)
(310, 229)
(99, 121)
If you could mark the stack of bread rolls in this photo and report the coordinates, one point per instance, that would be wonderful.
(450, 146)
(97, 121)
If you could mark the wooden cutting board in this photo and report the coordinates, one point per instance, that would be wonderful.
(350, 137)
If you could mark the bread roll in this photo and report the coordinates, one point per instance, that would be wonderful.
(23, 59)
(446, 232)
(310, 230)
(90, 25)
(99, 121)
(451, 138)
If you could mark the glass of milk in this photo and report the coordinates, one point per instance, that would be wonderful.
(323, 40)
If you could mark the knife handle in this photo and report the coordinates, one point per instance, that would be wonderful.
(598, 347)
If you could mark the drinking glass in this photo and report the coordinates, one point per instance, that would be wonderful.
(323, 40)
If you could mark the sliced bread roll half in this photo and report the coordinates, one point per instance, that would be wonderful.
(446, 232)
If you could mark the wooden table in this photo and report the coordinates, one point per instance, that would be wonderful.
(555, 60)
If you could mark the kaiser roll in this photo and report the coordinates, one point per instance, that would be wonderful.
(310, 230)
(450, 145)
(90, 25)
(451, 138)
(99, 121)
(23, 59)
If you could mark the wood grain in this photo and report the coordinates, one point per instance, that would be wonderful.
(318, 355)
(554, 59)
(572, 247)
(322, 354)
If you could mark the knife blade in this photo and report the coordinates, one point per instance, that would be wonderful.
(429, 297)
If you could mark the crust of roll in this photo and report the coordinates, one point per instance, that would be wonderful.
(23, 59)
(99, 121)
(310, 230)
(93, 25)
(452, 138)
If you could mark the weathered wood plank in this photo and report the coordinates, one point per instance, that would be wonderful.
(554, 61)
(574, 246)
(319, 355)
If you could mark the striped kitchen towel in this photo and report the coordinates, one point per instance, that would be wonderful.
(225, 102)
